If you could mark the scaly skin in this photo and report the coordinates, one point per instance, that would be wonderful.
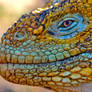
(50, 47)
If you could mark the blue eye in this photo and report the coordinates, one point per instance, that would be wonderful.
(67, 24)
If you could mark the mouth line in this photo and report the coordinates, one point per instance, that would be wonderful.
(48, 67)
(71, 59)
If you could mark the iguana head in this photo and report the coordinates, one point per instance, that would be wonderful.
(50, 46)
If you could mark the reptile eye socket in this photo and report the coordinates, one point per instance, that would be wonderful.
(68, 26)
(67, 23)
(21, 35)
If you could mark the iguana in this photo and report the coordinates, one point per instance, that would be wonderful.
(50, 47)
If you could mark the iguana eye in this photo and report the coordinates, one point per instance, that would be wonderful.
(67, 23)
(21, 35)
(68, 26)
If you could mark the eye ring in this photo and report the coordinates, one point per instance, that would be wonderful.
(64, 30)
(62, 26)
(20, 35)
(67, 23)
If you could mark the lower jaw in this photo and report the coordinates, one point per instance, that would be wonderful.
(31, 71)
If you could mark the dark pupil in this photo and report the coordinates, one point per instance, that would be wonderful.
(67, 22)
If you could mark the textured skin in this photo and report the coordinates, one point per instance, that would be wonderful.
(33, 51)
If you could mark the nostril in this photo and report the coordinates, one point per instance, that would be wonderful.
(21, 35)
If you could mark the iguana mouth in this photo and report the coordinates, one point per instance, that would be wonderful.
(78, 60)
(16, 71)
(72, 59)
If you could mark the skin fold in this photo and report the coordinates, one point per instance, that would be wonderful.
(50, 47)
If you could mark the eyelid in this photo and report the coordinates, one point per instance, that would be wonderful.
(67, 28)
(73, 19)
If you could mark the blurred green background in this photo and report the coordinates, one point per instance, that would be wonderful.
(10, 11)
